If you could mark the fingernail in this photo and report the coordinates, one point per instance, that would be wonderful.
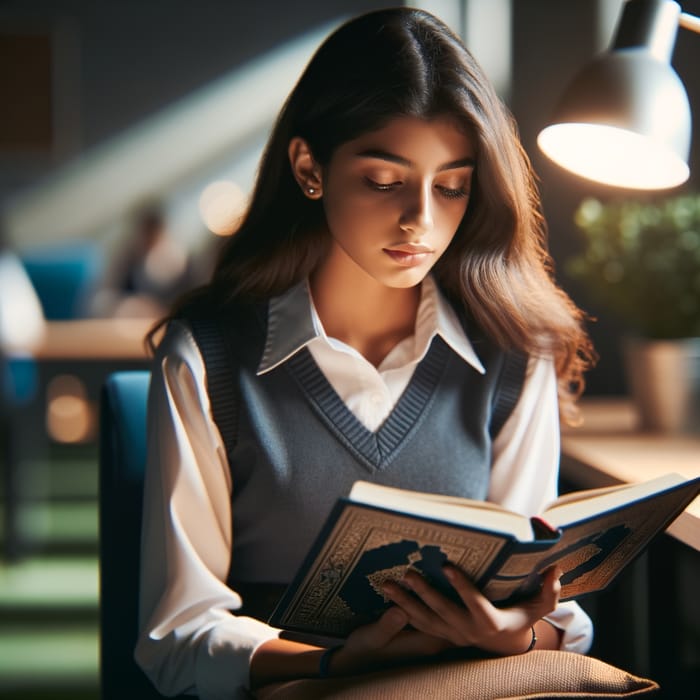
(449, 573)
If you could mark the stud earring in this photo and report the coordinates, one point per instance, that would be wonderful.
(310, 190)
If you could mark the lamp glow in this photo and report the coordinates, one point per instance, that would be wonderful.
(613, 156)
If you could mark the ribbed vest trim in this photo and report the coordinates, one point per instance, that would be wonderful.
(376, 449)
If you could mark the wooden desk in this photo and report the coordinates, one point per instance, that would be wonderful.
(94, 339)
(607, 449)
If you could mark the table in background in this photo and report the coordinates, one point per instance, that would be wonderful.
(608, 449)
(89, 349)
(94, 339)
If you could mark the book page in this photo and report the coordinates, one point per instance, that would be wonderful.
(583, 504)
(462, 511)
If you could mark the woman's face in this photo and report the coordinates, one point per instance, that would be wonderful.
(394, 197)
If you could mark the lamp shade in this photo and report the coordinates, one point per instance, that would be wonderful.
(625, 118)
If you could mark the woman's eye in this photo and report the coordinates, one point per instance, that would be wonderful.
(452, 193)
(381, 186)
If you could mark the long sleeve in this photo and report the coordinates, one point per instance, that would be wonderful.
(189, 640)
(525, 475)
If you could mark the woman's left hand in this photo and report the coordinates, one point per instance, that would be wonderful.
(478, 622)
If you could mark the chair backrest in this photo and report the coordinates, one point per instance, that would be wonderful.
(64, 276)
(122, 457)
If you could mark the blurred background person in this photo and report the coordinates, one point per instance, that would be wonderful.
(148, 271)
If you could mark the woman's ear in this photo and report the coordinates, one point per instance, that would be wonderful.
(307, 171)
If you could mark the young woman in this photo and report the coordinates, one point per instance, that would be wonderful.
(391, 260)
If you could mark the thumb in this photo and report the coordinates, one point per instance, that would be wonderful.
(551, 588)
(552, 576)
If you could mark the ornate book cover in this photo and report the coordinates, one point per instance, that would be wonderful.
(338, 586)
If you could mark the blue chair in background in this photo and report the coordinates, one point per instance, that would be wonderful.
(122, 456)
(64, 277)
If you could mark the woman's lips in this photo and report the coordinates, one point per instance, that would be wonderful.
(408, 256)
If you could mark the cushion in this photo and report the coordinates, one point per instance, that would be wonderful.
(538, 674)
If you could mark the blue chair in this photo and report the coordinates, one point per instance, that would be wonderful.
(122, 457)
(64, 276)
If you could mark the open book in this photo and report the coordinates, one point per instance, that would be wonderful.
(379, 532)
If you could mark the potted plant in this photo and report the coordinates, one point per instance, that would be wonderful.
(640, 262)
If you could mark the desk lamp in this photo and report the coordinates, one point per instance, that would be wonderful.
(625, 118)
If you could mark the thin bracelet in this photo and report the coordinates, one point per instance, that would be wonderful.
(533, 641)
(325, 661)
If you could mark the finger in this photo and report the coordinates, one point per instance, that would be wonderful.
(481, 608)
(554, 573)
(367, 640)
(488, 621)
(375, 635)
(529, 611)
(466, 590)
(548, 595)
(550, 592)
(428, 611)
(402, 597)
(443, 607)
(387, 626)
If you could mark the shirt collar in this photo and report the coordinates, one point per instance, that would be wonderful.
(437, 317)
(292, 323)
(290, 326)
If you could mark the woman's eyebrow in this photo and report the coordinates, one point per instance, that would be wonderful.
(467, 162)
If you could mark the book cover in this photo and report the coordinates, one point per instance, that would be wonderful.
(339, 585)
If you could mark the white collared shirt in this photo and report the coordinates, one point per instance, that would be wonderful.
(369, 392)
(189, 641)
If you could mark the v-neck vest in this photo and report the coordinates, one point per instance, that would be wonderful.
(298, 447)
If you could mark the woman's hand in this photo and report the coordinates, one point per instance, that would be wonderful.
(434, 625)
(478, 623)
(384, 642)
(378, 644)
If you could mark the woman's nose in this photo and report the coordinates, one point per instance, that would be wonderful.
(417, 214)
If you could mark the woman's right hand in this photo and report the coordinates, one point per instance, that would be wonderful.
(382, 643)
(377, 644)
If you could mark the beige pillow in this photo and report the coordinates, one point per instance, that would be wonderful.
(538, 674)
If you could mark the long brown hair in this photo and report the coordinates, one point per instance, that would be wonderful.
(406, 62)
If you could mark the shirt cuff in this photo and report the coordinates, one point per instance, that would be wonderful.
(577, 627)
(222, 666)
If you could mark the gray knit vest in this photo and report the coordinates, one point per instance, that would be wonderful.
(294, 447)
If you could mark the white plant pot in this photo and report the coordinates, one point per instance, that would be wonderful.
(663, 377)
